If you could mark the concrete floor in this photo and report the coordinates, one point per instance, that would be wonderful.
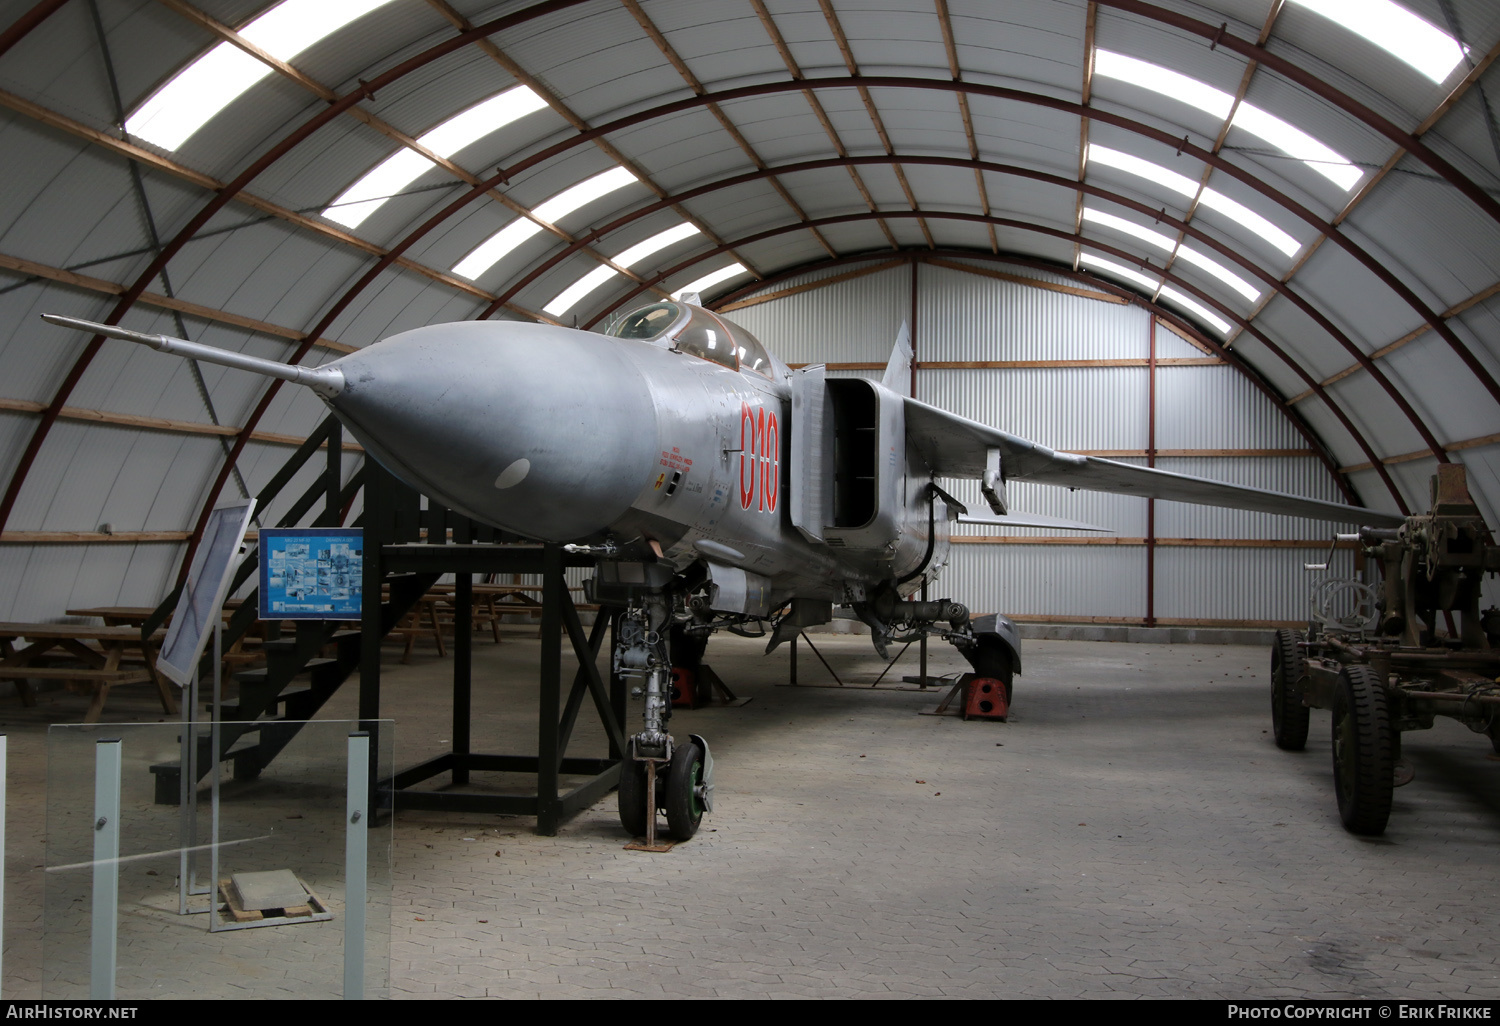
(1131, 832)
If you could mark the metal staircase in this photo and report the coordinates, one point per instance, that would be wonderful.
(305, 668)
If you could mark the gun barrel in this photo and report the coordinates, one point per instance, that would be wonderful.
(326, 381)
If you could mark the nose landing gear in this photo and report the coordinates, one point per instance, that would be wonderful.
(657, 774)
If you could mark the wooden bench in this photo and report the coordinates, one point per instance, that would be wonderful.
(100, 650)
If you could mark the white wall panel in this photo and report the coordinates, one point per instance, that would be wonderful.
(854, 321)
(967, 317)
(1094, 580)
(1217, 408)
(1072, 408)
(1236, 584)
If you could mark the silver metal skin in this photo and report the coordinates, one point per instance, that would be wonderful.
(683, 454)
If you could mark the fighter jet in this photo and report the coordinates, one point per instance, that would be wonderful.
(717, 488)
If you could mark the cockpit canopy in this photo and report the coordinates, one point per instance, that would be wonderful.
(697, 332)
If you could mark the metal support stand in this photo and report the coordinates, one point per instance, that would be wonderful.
(187, 785)
(356, 864)
(105, 910)
(558, 714)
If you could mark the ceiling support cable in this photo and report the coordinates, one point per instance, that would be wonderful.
(139, 188)
(65, 276)
(670, 53)
(945, 21)
(1234, 107)
(842, 41)
(520, 74)
(1216, 35)
(321, 118)
(229, 35)
(1454, 95)
(225, 194)
(795, 70)
(1410, 336)
(1090, 25)
(1188, 287)
(1469, 81)
(1231, 254)
(297, 219)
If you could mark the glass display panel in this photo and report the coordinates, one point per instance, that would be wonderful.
(286, 818)
(198, 608)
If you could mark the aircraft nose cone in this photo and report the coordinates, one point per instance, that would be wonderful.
(543, 431)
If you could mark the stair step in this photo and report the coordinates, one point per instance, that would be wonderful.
(259, 674)
(231, 710)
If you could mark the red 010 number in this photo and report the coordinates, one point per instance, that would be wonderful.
(760, 458)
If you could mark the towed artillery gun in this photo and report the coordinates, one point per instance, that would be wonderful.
(1375, 657)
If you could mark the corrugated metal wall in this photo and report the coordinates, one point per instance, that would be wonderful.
(1205, 409)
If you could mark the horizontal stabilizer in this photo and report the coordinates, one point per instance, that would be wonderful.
(1035, 520)
(326, 381)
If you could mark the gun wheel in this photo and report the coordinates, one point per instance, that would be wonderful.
(1289, 717)
(1364, 750)
(684, 807)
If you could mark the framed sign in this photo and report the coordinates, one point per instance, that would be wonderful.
(311, 573)
(200, 605)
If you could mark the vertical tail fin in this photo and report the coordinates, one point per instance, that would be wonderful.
(898, 371)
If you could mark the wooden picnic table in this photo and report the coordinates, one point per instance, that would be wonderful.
(44, 643)
(119, 616)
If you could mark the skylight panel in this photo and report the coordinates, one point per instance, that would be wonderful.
(497, 246)
(194, 95)
(1164, 81)
(585, 192)
(568, 297)
(1120, 224)
(1396, 30)
(494, 249)
(1132, 165)
(403, 167)
(711, 279)
(1219, 271)
(657, 242)
(1119, 271)
(1286, 137)
(1185, 186)
(1294, 142)
(480, 120)
(1236, 211)
(1193, 306)
(386, 179)
(1168, 244)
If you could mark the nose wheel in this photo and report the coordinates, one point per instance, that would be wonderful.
(681, 787)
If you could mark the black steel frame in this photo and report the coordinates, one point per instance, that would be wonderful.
(395, 554)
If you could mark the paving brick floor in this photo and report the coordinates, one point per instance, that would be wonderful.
(1131, 832)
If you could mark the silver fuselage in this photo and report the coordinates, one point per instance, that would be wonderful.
(564, 435)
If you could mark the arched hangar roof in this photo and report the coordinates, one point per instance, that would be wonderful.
(1309, 185)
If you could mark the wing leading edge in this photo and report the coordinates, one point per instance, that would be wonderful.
(955, 446)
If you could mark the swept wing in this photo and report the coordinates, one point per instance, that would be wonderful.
(955, 446)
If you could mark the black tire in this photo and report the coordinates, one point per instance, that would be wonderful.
(1364, 750)
(684, 808)
(632, 795)
(1289, 717)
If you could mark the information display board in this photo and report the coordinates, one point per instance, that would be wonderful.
(203, 594)
(311, 573)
